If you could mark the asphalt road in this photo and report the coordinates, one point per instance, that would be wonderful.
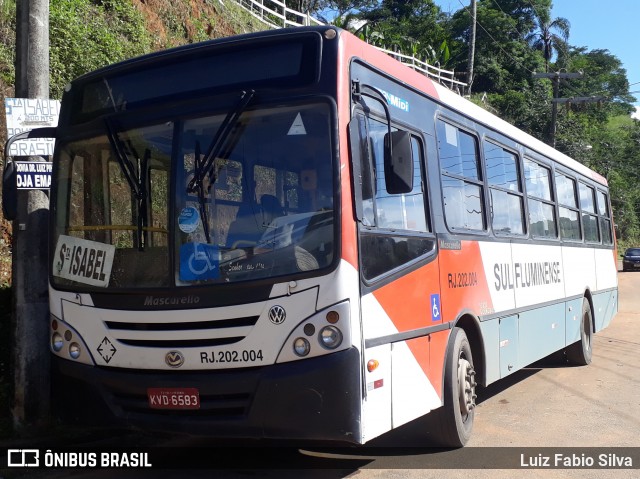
(544, 410)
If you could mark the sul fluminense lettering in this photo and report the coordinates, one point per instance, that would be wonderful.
(525, 275)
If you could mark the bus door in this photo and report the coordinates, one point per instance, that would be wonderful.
(399, 285)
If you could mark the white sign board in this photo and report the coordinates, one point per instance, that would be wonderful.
(25, 114)
(83, 261)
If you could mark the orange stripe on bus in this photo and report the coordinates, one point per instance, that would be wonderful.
(463, 281)
(406, 300)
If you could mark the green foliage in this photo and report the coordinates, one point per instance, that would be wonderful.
(85, 36)
(603, 77)
(527, 108)
(7, 41)
(503, 58)
(411, 27)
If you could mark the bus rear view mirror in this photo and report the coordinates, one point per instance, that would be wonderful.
(398, 167)
(9, 172)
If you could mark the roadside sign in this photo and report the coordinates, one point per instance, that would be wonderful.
(33, 175)
(25, 114)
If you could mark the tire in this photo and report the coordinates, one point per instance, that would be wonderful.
(453, 422)
(580, 353)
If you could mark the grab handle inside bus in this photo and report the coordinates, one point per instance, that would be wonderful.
(9, 175)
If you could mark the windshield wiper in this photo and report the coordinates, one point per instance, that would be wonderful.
(137, 180)
(204, 167)
(199, 187)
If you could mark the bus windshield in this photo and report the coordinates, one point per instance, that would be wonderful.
(197, 200)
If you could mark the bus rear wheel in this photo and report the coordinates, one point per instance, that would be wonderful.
(580, 353)
(454, 420)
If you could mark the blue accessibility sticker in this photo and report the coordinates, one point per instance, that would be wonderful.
(199, 262)
(435, 307)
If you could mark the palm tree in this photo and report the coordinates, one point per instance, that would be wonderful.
(545, 38)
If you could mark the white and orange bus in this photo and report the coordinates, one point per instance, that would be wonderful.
(290, 234)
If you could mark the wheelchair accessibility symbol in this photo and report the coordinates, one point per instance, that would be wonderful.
(199, 262)
(435, 307)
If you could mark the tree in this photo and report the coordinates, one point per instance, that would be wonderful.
(304, 6)
(503, 58)
(604, 76)
(329, 10)
(414, 27)
(550, 36)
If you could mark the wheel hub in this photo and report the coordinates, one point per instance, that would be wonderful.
(466, 386)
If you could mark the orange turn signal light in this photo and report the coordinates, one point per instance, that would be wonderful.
(333, 317)
(372, 365)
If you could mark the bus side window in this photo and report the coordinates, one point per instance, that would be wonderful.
(589, 217)
(605, 218)
(505, 190)
(542, 211)
(568, 208)
(462, 187)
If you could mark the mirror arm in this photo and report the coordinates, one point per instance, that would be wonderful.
(362, 89)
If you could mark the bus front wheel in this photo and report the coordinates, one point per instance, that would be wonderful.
(454, 420)
(580, 353)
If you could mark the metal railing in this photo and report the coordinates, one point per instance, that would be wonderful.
(444, 77)
(275, 14)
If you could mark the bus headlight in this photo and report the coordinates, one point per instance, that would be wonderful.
(330, 337)
(57, 342)
(67, 343)
(301, 347)
(74, 350)
(325, 332)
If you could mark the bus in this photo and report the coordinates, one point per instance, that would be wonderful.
(292, 235)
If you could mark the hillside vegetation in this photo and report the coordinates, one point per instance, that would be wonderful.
(86, 34)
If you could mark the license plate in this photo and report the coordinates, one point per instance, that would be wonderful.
(173, 398)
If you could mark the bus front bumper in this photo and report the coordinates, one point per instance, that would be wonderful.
(316, 399)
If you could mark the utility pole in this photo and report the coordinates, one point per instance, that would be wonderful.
(472, 47)
(30, 356)
(555, 78)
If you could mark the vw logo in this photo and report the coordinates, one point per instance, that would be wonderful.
(174, 359)
(277, 314)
